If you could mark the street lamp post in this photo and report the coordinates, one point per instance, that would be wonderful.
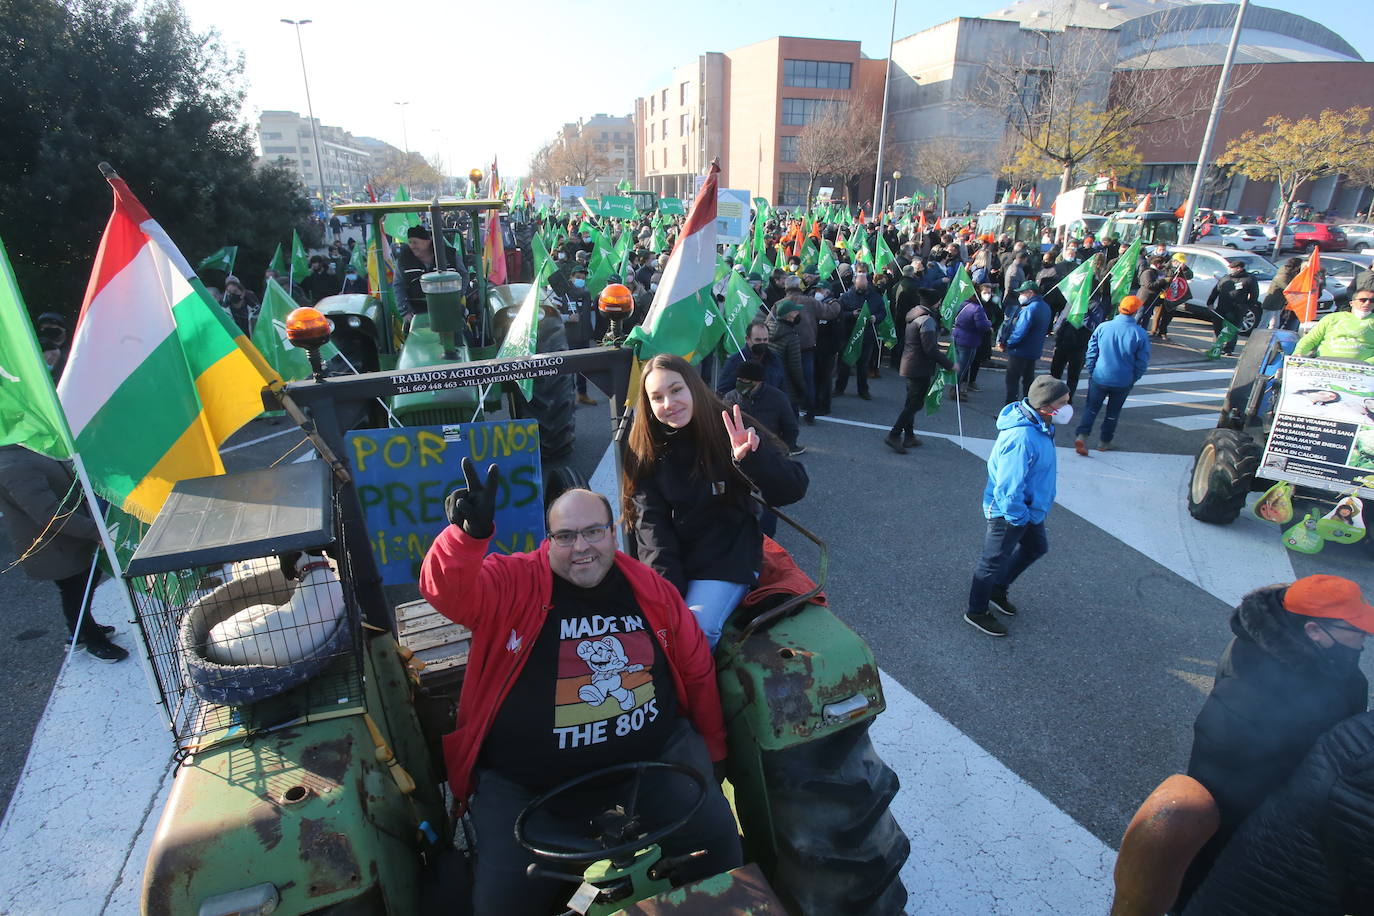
(896, 189)
(309, 109)
(405, 139)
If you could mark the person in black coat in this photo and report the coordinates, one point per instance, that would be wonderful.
(689, 470)
(765, 403)
(1291, 672)
(1306, 851)
(921, 359)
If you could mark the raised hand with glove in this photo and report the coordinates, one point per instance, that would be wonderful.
(473, 507)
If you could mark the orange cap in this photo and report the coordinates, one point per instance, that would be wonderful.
(1129, 306)
(1332, 597)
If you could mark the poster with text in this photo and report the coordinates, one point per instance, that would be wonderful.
(403, 476)
(1323, 431)
(732, 216)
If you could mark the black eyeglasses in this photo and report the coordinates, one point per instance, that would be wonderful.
(1364, 299)
(592, 534)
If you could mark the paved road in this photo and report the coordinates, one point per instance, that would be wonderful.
(1091, 699)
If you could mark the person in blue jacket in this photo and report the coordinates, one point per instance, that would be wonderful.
(1018, 496)
(1023, 339)
(1118, 355)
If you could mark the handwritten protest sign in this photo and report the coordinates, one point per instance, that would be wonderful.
(404, 475)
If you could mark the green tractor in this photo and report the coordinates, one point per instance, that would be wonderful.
(370, 332)
(321, 791)
(1321, 452)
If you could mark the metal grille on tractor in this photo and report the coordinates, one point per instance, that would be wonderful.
(244, 601)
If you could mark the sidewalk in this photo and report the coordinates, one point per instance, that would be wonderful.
(77, 830)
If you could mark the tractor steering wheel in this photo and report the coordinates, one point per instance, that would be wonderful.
(603, 849)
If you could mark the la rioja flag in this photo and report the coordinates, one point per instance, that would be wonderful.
(684, 302)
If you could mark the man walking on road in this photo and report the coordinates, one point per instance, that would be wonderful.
(1018, 496)
(1023, 339)
(1118, 355)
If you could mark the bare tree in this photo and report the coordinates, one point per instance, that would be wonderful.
(823, 146)
(576, 160)
(943, 162)
(1057, 101)
(412, 170)
(541, 169)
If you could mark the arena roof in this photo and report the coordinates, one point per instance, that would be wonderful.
(1177, 33)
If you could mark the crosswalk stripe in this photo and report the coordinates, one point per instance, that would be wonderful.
(1191, 421)
(1178, 378)
(1166, 398)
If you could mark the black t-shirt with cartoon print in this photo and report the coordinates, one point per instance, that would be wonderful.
(595, 691)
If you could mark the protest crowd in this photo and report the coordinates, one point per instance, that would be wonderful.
(804, 305)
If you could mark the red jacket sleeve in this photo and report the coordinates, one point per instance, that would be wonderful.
(458, 582)
(696, 668)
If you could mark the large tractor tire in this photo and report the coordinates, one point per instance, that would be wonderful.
(1222, 474)
(558, 479)
(554, 403)
(839, 848)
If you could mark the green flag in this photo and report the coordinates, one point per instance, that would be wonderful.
(30, 414)
(1124, 273)
(738, 310)
(809, 258)
(618, 207)
(1228, 335)
(522, 337)
(936, 395)
(854, 349)
(269, 336)
(1077, 290)
(221, 260)
(358, 261)
(397, 224)
(278, 263)
(887, 330)
(825, 263)
(659, 241)
(624, 185)
(960, 291)
(883, 256)
(543, 264)
(300, 264)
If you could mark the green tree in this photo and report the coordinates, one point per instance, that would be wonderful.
(134, 85)
(1293, 153)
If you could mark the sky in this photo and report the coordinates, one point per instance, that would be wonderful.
(478, 86)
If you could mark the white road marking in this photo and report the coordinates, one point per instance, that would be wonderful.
(983, 840)
(281, 432)
(1177, 378)
(1167, 398)
(1191, 421)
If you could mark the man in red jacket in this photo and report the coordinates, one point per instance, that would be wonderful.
(581, 658)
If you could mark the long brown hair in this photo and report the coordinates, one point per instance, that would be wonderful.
(705, 433)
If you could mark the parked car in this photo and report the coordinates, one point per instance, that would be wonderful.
(1209, 265)
(1340, 274)
(1359, 236)
(1307, 236)
(1249, 237)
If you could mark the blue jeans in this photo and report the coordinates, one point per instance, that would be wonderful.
(1007, 551)
(1115, 397)
(711, 601)
(964, 357)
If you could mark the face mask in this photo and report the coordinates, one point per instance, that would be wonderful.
(986, 297)
(1062, 415)
(1341, 658)
(653, 287)
(1023, 299)
(744, 386)
(758, 349)
(579, 282)
(562, 256)
(586, 238)
(1360, 313)
(350, 276)
(820, 296)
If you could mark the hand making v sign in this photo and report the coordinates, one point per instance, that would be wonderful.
(743, 440)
